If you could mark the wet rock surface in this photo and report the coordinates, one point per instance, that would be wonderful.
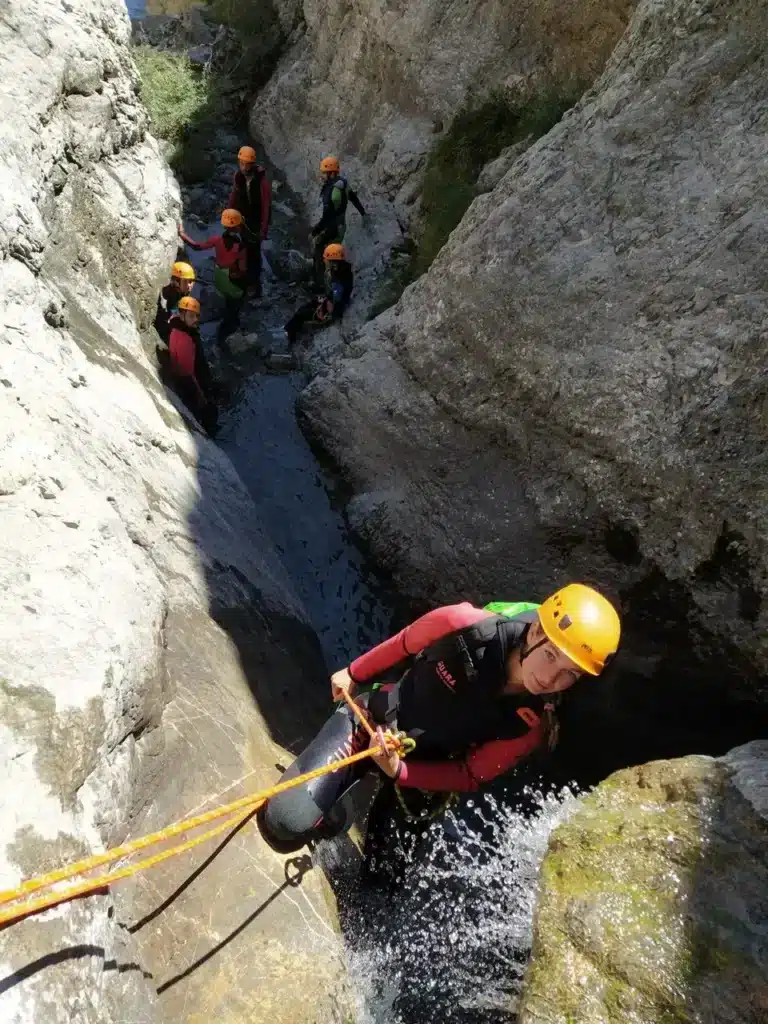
(575, 387)
(653, 899)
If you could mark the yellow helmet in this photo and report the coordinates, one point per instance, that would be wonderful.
(247, 154)
(334, 251)
(330, 165)
(190, 304)
(583, 625)
(184, 271)
(231, 218)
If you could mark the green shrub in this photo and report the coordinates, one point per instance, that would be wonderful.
(475, 136)
(174, 93)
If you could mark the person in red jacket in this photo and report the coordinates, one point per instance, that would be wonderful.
(251, 195)
(476, 688)
(190, 375)
(230, 276)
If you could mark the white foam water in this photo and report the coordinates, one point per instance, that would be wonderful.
(453, 945)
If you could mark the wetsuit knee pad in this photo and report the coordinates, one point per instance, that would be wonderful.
(309, 811)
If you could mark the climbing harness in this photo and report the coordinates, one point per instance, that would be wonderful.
(234, 813)
(429, 813)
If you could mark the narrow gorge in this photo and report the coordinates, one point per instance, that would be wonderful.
(553, 368)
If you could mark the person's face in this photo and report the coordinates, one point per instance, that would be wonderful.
(246, 167)
(185, 287)
(190, 317)
(547, 670)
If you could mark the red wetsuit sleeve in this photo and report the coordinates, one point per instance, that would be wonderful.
(266, 205)
(415, 638)
(483, 764)
(209, 243)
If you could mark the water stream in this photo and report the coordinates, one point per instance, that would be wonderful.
(458, 934)
(453, 944)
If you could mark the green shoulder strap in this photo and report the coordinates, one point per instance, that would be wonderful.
(510, 608)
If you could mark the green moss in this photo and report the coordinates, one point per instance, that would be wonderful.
(615, 893)
(475, 136)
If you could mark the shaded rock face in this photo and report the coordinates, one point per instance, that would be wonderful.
(377, 83)
(653, 899)
(131, 560)
(576, 388)
(373, 82)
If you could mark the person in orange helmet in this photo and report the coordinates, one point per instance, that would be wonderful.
(324, 309)
(476, 688)
(230, 276)
(335, 196)
(251, 195)
(181, 284)
(190, 375)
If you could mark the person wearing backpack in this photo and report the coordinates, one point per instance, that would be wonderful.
(230, 275)
(476, 688)
(335, 196)
(189, 373)
(181, 284)
(323, 310)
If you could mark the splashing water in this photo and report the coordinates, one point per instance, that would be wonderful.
(453, 945)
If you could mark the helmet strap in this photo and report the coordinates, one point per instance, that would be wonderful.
(525, 651)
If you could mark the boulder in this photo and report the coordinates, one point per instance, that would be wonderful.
(653, 899)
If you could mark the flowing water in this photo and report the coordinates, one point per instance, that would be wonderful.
(349, 608)
(453, 944)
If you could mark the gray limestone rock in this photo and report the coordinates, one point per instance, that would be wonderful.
(577, 386)
(145, 622)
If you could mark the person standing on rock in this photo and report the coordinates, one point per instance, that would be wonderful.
(230, 276)
(325, 309)
(476, 688)
(251, 195)
(181, 284)
(335, 196)
(190, 374)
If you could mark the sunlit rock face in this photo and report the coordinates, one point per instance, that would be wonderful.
(130, 551)
(576, 388)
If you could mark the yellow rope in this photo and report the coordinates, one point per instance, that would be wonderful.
(236, 811)
(13, 913)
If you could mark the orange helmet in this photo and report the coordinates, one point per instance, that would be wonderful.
(184, 271)
(190, 304)
(334, 251)
(231, 218)
(330, 165)
(583, 625)
(247, 154)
